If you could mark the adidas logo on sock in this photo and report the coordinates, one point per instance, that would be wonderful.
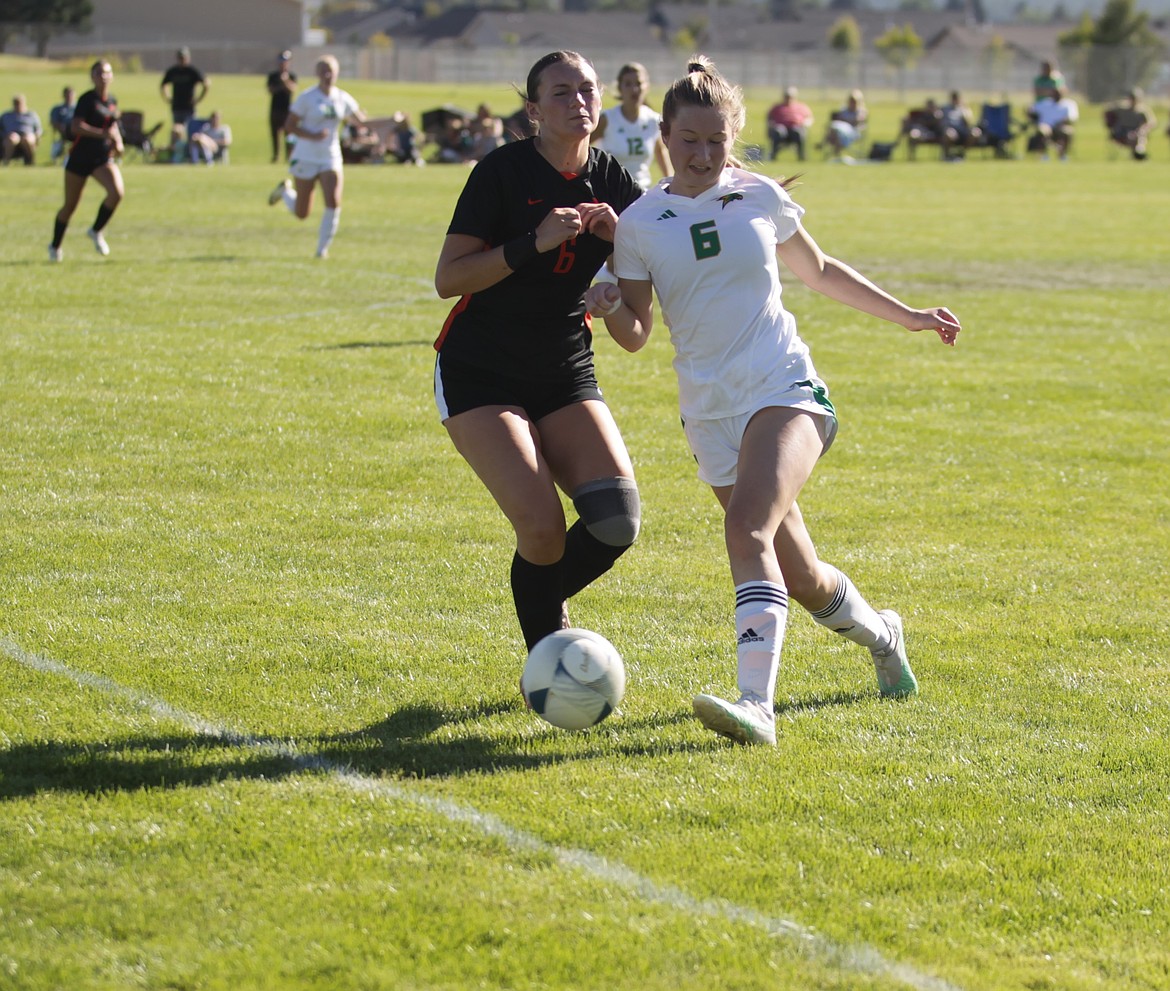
(750, 636)
(668, 215)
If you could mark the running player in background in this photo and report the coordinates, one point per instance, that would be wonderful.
(315, 120)
(755, 414)
(629, 131)
(97, 142)
(514, 379)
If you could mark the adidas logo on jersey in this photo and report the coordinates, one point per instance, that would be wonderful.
(668, 215)
(749, 636)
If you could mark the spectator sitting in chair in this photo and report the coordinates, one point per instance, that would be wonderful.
(1054, 116)
(209, 143)
(20, 130)
(455, 143)
(406, 141)
(923, 126)
(957, 127)
(1130, 123)
(61, 121)
(788, 124)
(362, 144)
(846, 124)
(487, 132)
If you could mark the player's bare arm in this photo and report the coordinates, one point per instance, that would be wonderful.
(833, 278)
(628, 310)
(465, 267)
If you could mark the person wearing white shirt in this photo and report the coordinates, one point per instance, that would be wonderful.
(315, 119)
(755, 414)
(629, 131)
(1054, 116)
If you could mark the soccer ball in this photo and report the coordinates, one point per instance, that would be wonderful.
(573, 678)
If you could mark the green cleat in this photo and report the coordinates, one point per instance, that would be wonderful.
(895, 679)
(750, 720)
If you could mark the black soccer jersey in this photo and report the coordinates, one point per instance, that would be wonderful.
(531, 323)
(88, 152)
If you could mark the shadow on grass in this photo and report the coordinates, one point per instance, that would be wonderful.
(357, 345)
(794, 707)
(404, 745)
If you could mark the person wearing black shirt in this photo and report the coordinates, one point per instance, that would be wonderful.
(282, 83)
(183, 79)
(514, 378)
(97, 142)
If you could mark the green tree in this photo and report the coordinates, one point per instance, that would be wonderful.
(41, 20)
(10, 24)
(844, 42)
(845, 35)
(1116, 52)
(900, 48)
(997, 57)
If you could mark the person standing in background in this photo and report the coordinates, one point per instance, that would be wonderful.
(183, 79)
(282, 83)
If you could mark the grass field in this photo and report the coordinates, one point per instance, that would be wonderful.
(260, 726)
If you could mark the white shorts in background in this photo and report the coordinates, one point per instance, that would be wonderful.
(310, 170)
(716, 443)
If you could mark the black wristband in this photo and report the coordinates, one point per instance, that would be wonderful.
(520, 250)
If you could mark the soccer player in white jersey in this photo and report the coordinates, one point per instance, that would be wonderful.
(630, 131)
(756, 415)
(315, 120)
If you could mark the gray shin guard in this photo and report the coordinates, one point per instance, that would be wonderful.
(611, 510)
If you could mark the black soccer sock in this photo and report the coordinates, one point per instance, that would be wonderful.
(536, 590)
(586, 558)
(59, 228)
(103, 217)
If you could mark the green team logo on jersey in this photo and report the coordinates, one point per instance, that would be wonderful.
(730, 198)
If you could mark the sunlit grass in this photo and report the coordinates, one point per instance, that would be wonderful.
(226, 503)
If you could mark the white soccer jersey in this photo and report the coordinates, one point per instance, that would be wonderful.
(713, 263)
(322, 112)
(632, 144)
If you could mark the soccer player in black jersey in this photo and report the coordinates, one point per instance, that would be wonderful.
(96, 143)
(514, 379)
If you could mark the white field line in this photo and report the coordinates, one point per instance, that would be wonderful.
(856, 957)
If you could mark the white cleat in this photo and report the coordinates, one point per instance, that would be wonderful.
(99, 242)
(278, 193)
(895, 679)
(55, 254)
(322, 252)
(750, 720)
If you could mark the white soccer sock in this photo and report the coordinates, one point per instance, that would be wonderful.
(290, 200)
(761, 610)
(855, 619)
(329, 222)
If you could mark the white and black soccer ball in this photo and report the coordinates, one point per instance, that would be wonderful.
(573, 678)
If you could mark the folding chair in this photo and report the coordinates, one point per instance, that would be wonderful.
(995, 121)
(131, 124)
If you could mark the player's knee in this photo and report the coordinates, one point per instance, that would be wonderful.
(611, 510)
